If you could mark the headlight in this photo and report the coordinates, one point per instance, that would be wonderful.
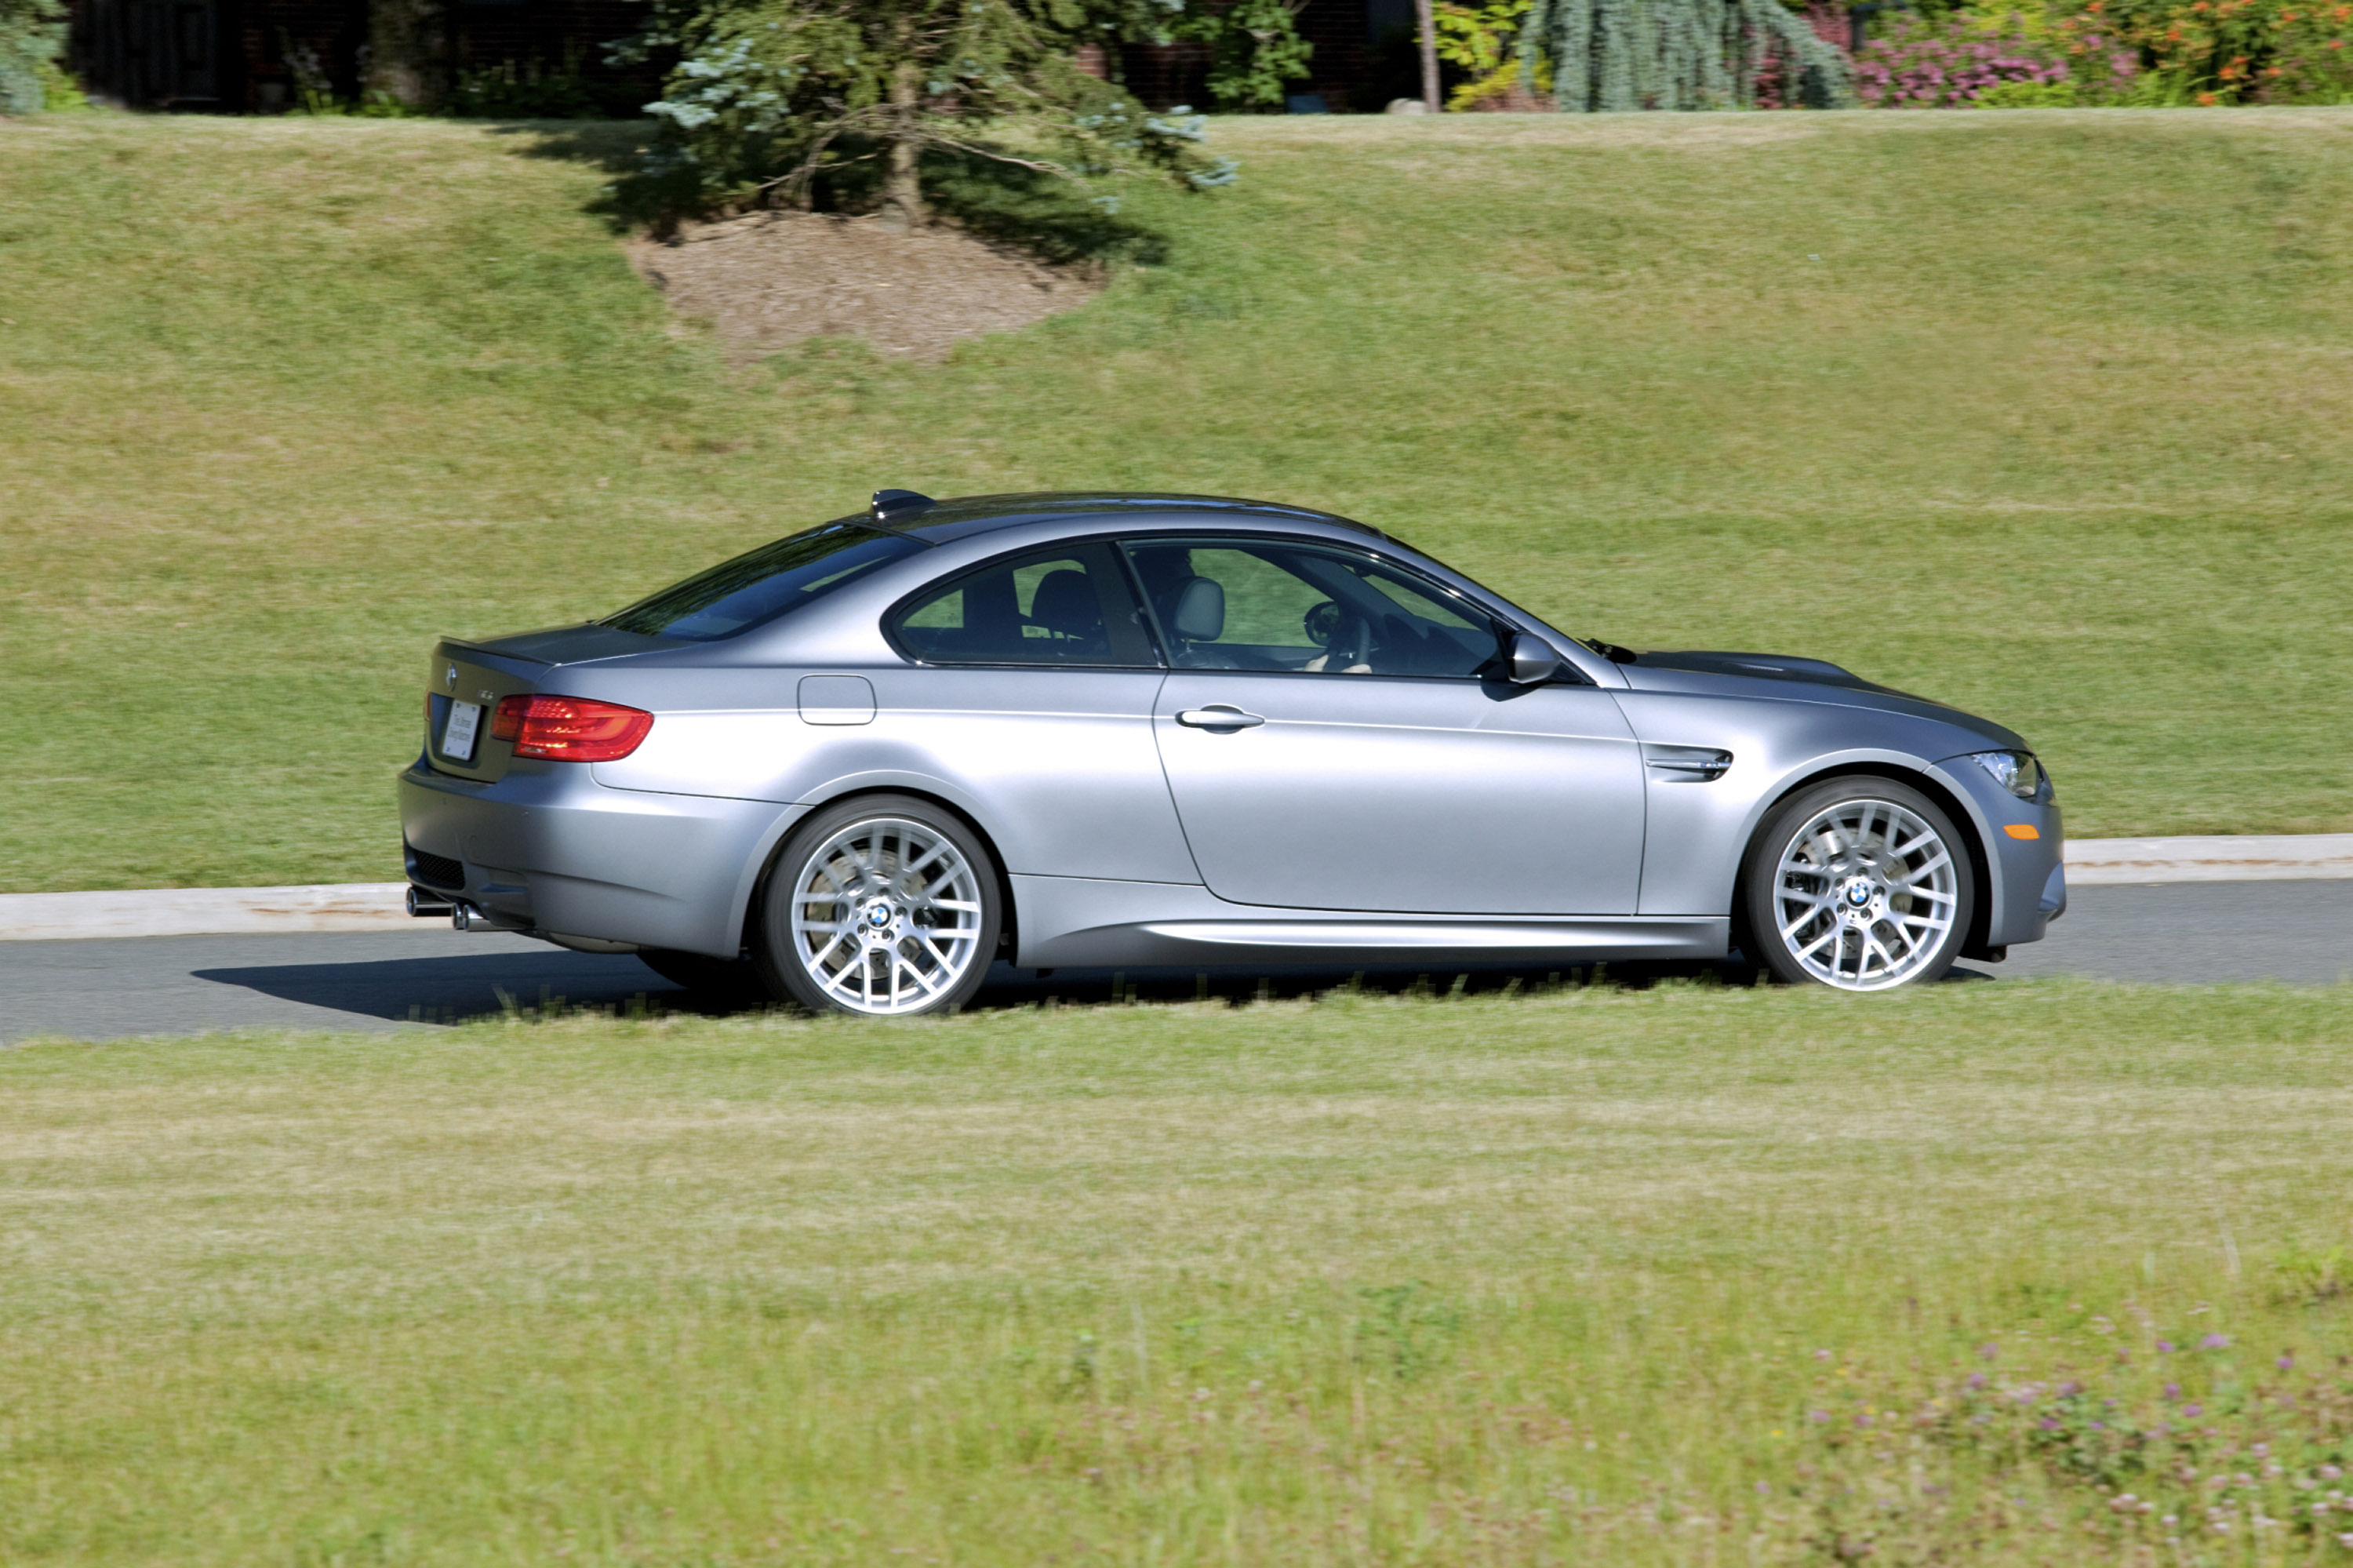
(2019, 773)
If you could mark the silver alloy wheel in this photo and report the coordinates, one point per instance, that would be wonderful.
(886, 915)
(1864, 895)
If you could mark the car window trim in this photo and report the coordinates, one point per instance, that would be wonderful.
(840, 579)
(1472, 607)
(1123, 573)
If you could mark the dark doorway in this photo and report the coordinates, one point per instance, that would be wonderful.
(158, 54)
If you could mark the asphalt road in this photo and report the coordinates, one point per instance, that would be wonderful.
(2293, 931)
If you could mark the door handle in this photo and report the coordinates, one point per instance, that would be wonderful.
(1219, 715)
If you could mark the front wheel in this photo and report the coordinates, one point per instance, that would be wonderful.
(885, 906)
(1860, 884)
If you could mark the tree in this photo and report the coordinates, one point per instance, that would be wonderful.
(1425, 30)
(769, 94)
(1609, 55)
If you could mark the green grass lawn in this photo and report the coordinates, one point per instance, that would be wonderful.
(1693, 1275)
(2045, 414)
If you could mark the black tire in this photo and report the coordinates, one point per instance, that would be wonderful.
(906, 902)
(1906, 897)
(732, 982)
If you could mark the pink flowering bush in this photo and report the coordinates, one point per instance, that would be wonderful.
(1923, 65)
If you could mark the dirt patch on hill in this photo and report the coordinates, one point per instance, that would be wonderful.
(773, 279)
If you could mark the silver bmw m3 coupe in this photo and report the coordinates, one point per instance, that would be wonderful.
(866, 761)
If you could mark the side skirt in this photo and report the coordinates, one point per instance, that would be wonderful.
(1078, 923)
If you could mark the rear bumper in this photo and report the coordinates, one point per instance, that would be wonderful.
(547, 849)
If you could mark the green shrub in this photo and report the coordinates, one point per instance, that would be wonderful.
(60, 94)
(2212, 52)
(1255, 50)
(532, 89)
(1608, 56)
(32, 35)
(2031, 95)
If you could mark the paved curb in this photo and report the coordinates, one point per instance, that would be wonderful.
(206, 911)
(378, 906)
(2253, 857)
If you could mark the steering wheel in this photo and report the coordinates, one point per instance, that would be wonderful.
(1348, 639)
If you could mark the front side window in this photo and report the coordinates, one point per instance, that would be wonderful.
(1066, 605)
(761, 585)
(1276, 605)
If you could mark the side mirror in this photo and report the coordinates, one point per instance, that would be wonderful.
(1533, 659)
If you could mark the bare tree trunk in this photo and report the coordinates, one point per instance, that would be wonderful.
(407, 52)
(1426, 27)
(902, 188)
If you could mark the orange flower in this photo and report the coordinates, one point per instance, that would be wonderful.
(2205, 100)
(2336, 43)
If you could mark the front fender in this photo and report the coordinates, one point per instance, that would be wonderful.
(2017, 870)
(1697, 832)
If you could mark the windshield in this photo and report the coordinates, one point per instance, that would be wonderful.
(763, 584)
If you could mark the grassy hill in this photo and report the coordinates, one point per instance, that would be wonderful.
(2043, 413)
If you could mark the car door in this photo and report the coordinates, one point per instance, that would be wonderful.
(1336, 737)
(1033, 689)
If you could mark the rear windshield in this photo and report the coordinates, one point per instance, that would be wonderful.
(765, 582)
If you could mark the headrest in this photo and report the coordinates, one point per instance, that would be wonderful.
(1200, 612)
(1066, 602)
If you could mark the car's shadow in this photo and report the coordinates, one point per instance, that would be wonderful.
(448, 989)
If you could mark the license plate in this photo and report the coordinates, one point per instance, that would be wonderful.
(458, 735)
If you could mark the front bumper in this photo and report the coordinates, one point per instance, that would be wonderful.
(548, 850)
(2028, 885)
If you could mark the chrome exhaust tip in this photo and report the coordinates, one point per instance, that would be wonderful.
(427, 906)
(466, 917)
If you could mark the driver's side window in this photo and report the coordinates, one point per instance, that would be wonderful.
(1276, 606)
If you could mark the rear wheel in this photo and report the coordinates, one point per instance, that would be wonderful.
(1860, 884)
(884, 905)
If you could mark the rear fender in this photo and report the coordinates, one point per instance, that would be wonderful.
(752, 895)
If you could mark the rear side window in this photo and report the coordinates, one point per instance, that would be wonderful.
(763, 584)
(1068, 604)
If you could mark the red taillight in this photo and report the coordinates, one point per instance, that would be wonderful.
(570, 729)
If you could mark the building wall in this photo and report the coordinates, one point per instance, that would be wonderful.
(242, 56)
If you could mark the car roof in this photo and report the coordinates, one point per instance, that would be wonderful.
(964, 517)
